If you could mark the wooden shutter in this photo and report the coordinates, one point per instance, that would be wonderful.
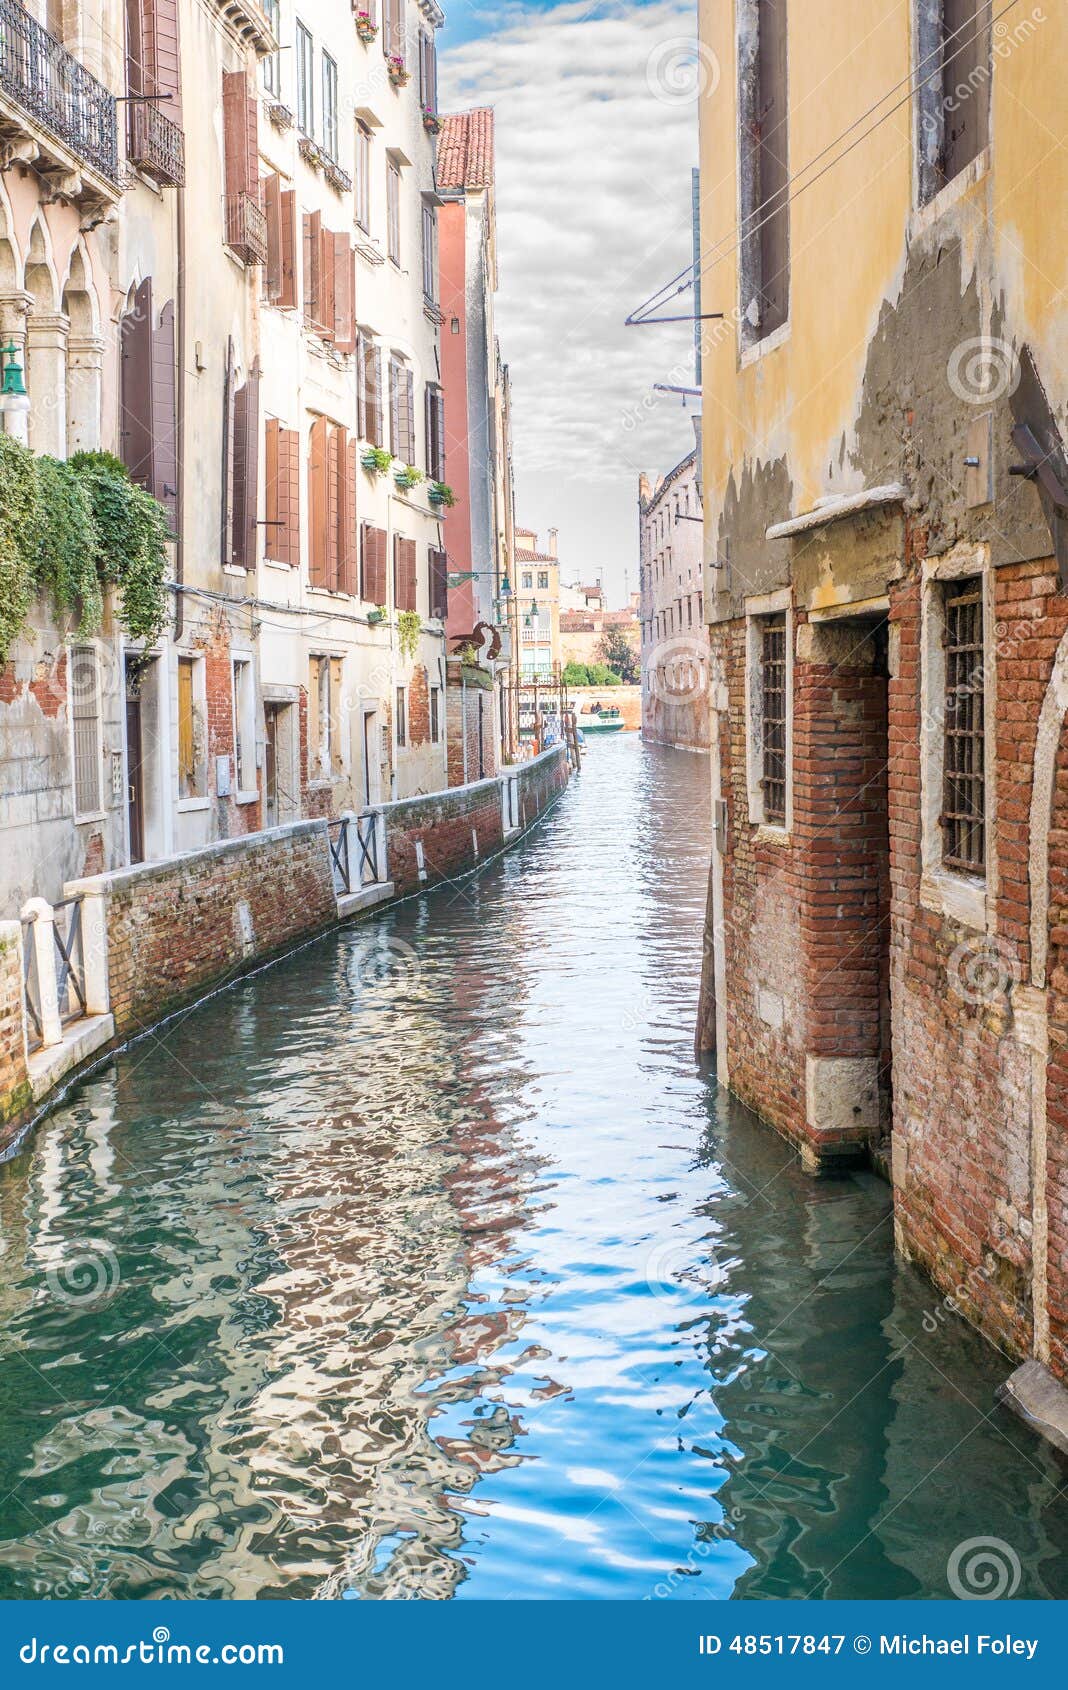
(435, 433)
(373, 585)
(439, 582)
(160, 54)
(394, 407)
(348, 561)
(246, 469)
(272, 204)
(408, 413)
(372, 371)
(225, 531)
(186, 755)
(361, 385)
(393, 27)
(318, 475)
(136, 434)
(432, 73)
(240, 134)
(336, 457)
(282, 464)
(272, 544)
(324, 310)
(404, 574)
(164, 414)
(344, 262)
(287, 293)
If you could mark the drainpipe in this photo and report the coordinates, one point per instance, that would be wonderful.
(179, 421)
(463, 719)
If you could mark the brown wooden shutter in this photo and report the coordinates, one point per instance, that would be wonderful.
(239, 134)
(289, 496)
(408, 412)
(361, 386)
(318, 475)
(432, 72)
(372, 371)
(348, 561)
(287, 292)
(164, 414)
(336, 457)
(325, 304)
(405, 584)
(225, 532)
(272, 544)
(374, 564)
(160, 54)
(439, 582)
(272, 204)
(435, 433)
(411, 577)
(136, 433)
(246, 469)
(394, 407)
(312, 266)
(344, 260)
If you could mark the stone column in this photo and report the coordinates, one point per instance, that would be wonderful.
(46, 380)
(41, 916)
(85, 379)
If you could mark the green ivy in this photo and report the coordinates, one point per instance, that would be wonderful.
(409, 627)
(71, 528)
(19, 524)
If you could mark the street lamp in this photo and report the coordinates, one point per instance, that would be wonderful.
(14, 400)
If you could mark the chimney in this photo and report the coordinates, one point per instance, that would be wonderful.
(552, 541)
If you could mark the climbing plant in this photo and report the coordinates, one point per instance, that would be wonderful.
(19, 518)
(408, 629)
(67, 556)
(131, 542)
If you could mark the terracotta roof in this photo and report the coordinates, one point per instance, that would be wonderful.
(465, 150)
(534, 557)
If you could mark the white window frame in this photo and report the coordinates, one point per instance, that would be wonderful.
(304, 74)
(329, 120)
(272, 64)
(199, 800)
(244, 723)
(757, 609)
(393, 211)
(99, 813)
(966, 898)
(361, 172)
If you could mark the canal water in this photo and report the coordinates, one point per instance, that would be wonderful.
(428, 1264)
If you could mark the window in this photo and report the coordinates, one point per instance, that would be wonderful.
(305, 83)
(369, 391)
(435, 715)
(773, 718)
(764, 267)
(402, 717)
(85, 718)
(963, 773)
(362, 177)
(435, 433)
(430, 255)
(192, 756)
(330, 106)
(272, 70)
(543, 580)
(528, 581)
(393, 211)
(324, 717)
(953, 95)
(402, 409)
(244, 727)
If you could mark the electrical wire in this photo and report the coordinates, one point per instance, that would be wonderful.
(742, 232)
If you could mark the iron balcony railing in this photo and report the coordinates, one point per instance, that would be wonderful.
(56, 91)
(67, 962)
(357, 835)
(156, 143)
(246, 228)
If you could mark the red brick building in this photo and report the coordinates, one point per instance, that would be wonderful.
(886, 491)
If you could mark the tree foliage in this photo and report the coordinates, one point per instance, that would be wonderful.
(617, 650)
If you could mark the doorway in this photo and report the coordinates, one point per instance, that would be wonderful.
(279, 763)
(135, 768)
(372, 772)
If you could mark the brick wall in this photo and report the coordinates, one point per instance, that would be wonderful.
(179, 927)
(14, 1080)
(462, 719)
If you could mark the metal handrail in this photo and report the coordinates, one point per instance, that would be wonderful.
(70, 965)
(156, 143)
(56, 90)
(367, 838)
(339, 854)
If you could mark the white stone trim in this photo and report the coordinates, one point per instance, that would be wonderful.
(835, 506)
(968, 899)
(1047, 740)
(757, 608)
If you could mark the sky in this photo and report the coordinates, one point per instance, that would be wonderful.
(596, 136)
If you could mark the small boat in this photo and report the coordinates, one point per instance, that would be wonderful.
(601, 719)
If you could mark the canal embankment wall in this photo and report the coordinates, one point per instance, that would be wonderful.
(156, 937)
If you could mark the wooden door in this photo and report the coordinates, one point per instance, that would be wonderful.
(135, 796)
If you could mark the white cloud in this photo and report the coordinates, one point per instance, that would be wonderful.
(596, 132)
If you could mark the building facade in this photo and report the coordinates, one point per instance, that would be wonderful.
(537, 606)
(887, 551)
(674, 638)
(221, 266)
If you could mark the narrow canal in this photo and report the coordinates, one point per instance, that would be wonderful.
(427, 1264)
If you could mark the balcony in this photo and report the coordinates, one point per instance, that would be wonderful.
(246, 229)
(156, 143)
(54, 115)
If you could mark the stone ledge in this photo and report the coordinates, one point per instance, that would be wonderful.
(117, 879)
(1039, 1400)
(80, 1040)
(351, 903)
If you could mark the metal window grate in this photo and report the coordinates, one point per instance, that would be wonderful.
(773, 717)
(85, 716)
(963, 791)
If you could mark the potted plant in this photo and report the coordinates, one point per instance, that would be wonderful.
(431, 121)
(376, 460)
(309, 151)
(398, 74)
(366, 28)
(409, 627)
(338, 178)
(407, 477)
(440, 493)
(377, 615)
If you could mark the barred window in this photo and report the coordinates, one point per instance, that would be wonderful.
(773, 718)
(964, 786)
(85, 715)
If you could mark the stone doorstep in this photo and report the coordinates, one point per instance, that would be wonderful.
(350, 903)
(47, 1066)
(1039, 1400)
